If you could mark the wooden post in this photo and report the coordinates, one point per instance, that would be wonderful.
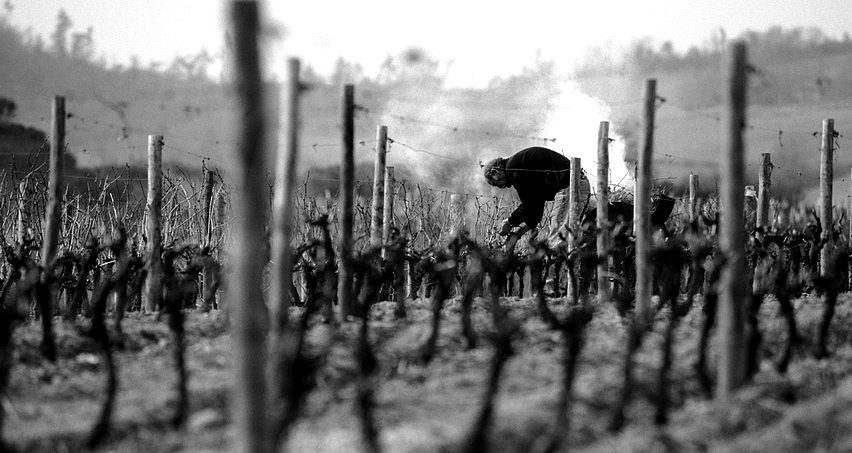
(826, 183)
(347, 205)
(693, 197)
(218, 240)
(642, 208)
(457, 214)
(221, 221)
(732, 294)
(245, 294)
(642, 316)
(573, 219)
(54, 201)
(603, 239)
(207, 271)
(168, 222)
(388, 207)
(378, 187)
(635, 190)
(22, 211)
(764, 186)
(283, 212)
(52, 216)
(153, 280)
(208, 206)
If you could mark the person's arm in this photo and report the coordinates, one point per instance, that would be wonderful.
(529, 212)
(524, 218)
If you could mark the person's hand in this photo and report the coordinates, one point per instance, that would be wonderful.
(505, 228)
(520, 229)
(509, 245)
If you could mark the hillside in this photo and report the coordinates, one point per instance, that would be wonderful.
(23, 147)
(689, 141)
(799, 78)
(440, 135)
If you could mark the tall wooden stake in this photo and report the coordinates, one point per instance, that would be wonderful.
(219, 239)
(732, 294)
(207, 228)
(52, 218)
(245, 294)
(457, 214)
(347, 205)
(603, 239)
(573, 218)
(642, 317)
(22, 211)
(283, 212)
(764, 186)
(826, 183)
(693, 197)
(378, 186)
(54, 201)
(207, 271)
(642, 207)
(221, 220)
(387, 225)
(153, 281)
(282, 250)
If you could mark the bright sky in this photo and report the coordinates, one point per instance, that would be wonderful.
(476, 40)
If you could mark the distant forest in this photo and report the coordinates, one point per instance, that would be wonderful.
(775, 45)
(115, 106)
(70, 57)
(791, 65)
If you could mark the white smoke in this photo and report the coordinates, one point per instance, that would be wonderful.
(574, 121)
(423, 139)
(440, 135)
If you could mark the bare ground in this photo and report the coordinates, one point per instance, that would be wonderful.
(429, 408)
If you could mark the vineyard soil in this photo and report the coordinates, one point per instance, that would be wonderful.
(429, 408)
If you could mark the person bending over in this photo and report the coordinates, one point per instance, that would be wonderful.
(538, 175)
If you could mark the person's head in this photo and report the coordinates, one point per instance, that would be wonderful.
(495, 173)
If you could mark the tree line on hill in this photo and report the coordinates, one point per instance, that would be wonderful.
(409, 92)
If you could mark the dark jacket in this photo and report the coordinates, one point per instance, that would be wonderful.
(537, 174)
